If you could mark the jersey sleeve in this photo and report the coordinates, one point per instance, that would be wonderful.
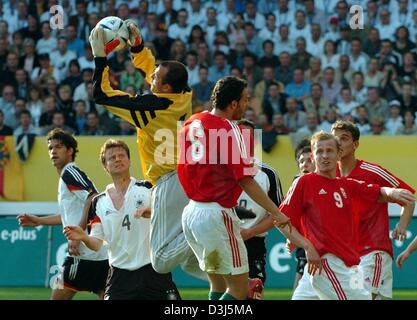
(78, 183)
(144, 60)
(122, 104)
(366, 191)
(239, 159)
(94, 222)
(275, 189)
(384, 178)
(292, 206)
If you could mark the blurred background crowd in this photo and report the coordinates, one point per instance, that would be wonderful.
(304, 64)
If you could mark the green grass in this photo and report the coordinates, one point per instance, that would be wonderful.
(186, 293)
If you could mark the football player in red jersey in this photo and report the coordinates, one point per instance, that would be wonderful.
(374, 244)
(320, 204)
(213, 169)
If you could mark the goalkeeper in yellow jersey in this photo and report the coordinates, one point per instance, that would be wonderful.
(157, 117)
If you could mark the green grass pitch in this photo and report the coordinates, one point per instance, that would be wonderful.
(186, 293)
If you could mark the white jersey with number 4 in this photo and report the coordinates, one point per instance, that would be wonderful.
(269, 181)
(127, 236)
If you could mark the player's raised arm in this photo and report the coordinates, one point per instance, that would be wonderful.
(119, 102)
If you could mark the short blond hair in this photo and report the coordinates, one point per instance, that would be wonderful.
(321, 136)
(109, 144)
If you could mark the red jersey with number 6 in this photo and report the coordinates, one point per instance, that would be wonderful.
(321, 209)
(214, 156)
(373, 220)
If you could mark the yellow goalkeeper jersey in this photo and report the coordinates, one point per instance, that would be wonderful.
(156, 116)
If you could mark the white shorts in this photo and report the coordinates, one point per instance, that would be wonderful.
(213, 232)
(377, 266)
(304, 290)
(339, 282)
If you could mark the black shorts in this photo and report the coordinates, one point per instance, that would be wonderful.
(85, 275)
(300, 255)
(256, 257)
(141, 284)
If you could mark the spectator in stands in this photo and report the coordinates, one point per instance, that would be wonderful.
(331, 88)
(16, 45)
(50, 108)
(251, 72)
(74, 78)
(358, 59)
(346, 105)
(412, 26)
(45, 71)
(308, 130)
(211, 26)
(61, 58)
(407, 99)
(293, 118)
(300, 28)
(149, 30)
(301, 58)
(390, 87)
(378, 127)
(395, 120)
(80, 116)
(7, 105)
(330, 58)
(169, 15)
(279, 125)
(332, 33)
(202, 90)
(299, 88)
(371, 14)
(269, 136)
(30, 59)
(344, 73)
(284, 43)
(117, 62)
(376, 106)
(80, 19)
(192, 67)
(315, 41)
(388, 55)
(316, 102)
(406, 71)
(80, 92)
(314, 73)
(178, 51)
(32, 30)
(284, 14)
(268, 57)
(35, 104)
(372, 45)
(314, 15)
(123, 11)
(362, 120)
(126, 129)
(269, 30)
(251, 15)
(253, 42)
(3, 53)
(47, 43)
(329, 118)
(261, 88)
(374, 76)
(58, 121)
(196, 14)
(235, 57)
(274, 102)
(195, 38)
(92, 126)
(409, 127)
(343, 44)
(359, 91)
(162, 43)
(386, 25)
(342, 12)
(93, 19)
(402, 42)
(181, 29)
(9, 72)
(131, 76)
(75, 44)
(22, 83)
(220, 68)
(25, 124)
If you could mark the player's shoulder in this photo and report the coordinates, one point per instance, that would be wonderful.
(377, 172)
(98, 197)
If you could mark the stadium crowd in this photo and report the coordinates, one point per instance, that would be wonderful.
(304, 64)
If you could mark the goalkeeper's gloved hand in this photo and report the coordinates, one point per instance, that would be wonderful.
(135, 38)
(97, 42)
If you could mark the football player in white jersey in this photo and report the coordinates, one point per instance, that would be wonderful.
(254, 230)
(117, 217)
(83, 269)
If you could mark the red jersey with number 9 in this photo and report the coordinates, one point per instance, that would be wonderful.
(321, 209)
(214, 156)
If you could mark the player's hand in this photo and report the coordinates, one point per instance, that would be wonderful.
(313, 260)
(402, 257)
(28, 220)
(246, 234)
(96, 39)
(290, 247)
(400, 232)
(74, 232)
(282, 221)
(74, 247)
(401, 196)
(143, 213)
(135, 38)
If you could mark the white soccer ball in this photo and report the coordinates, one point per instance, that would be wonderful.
(116, 33)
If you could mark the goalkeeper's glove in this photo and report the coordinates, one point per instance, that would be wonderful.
(97, 42)
(135, 38)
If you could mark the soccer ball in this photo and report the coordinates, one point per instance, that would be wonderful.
(116, 33)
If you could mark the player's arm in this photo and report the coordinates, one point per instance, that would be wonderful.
(400, 231)
(403, 256)
(263, 226)
(397, 195)
(78, 234)
(86, 210)
(29, 220)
